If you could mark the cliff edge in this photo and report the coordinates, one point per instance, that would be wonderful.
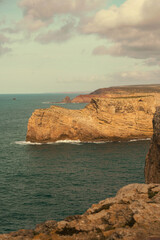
(133, 214)
(118, 91)
(113, 119)
(152, 166)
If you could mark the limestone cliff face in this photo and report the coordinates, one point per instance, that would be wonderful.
(152, 167)
(102, 120)
(133, 214)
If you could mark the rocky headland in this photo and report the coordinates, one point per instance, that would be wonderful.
(104, 119)
(133, 214)
(152, 166)
(120, 91)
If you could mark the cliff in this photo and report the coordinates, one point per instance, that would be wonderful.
(133, 214)
(152, 167)
(110, 119)
(120, 91)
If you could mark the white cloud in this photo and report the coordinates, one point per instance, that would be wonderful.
(40, 13)
(133, 29)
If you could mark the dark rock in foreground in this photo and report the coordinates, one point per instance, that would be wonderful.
(133, 214)
(152, 168)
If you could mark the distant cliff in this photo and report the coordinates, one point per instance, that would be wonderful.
(113, 119)
(118, 91)
(152, 167)
(133, 214)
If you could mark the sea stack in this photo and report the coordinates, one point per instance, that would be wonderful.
(113, 119)
(152, 166)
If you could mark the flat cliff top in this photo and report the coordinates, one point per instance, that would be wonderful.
(110, 92)
(130, 89)
(133, 214)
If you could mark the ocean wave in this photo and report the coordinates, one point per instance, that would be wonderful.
(137, 140)
(27, 143)
(76, 142)
(69, 141)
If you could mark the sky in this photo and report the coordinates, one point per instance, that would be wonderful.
(78, 45)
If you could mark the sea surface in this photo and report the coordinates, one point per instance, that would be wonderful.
(53, 181)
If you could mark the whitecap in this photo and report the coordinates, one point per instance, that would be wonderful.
(27, 143)
(69, 141)
(137, 140)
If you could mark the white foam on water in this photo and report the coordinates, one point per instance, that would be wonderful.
(76, 142)
(27, 143)
(69, 141)
(137, 140)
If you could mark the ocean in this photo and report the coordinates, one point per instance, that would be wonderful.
(53, 181)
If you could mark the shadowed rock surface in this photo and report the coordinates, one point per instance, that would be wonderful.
(152, 167)
(133, 214)
(113, 119)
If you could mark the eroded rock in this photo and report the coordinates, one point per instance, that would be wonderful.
(133, 214)
(113, 119)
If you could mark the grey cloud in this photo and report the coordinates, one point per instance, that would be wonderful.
(4, 50)
(10, 30)
(40, 13)
(134, 77)
(61, 35)
(3, 41)
(133, 29)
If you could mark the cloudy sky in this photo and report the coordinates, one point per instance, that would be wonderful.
(78, 45)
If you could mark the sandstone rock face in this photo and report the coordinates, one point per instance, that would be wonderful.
(112, 119)
(152, 167)
(84, 98)
(133, 214)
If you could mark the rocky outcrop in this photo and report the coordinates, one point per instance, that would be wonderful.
(114, 119)
(66, 100)
(133, 214)
(152, 166)
(83, 98)
(120, 91)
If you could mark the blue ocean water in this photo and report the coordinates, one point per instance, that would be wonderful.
(52, 181)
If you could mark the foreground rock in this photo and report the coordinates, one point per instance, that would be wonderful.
(118, 91)
(114, 119)
(152, 167)
(133, 214)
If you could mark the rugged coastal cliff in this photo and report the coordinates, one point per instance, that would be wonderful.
(113, 119)
(152, 167)
(118, 91)
(133, 214)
